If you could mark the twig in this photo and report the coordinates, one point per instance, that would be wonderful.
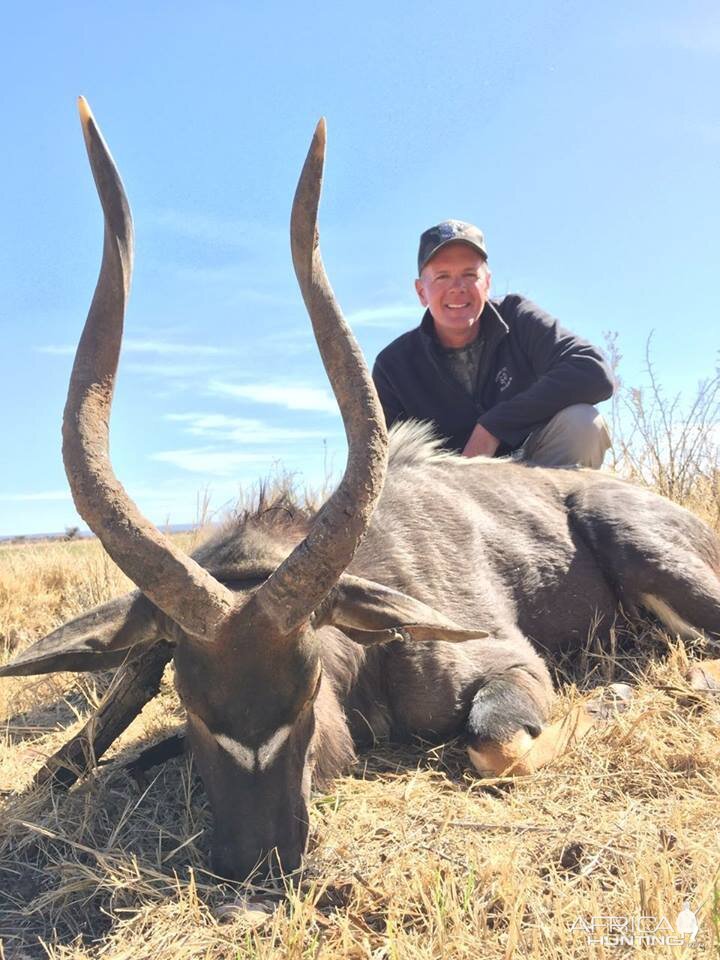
(444, 856)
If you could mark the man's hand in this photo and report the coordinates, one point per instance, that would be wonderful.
(481, 443)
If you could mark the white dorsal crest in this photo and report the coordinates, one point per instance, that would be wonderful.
(260, 757)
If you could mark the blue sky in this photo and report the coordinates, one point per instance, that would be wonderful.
(583, 138)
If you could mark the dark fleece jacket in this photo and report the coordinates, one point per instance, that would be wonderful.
(530, 369)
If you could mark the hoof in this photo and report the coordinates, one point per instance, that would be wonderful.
(705, 677)
(524, 754)
(493, 759)
(251, 912)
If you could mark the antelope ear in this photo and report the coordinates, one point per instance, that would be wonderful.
(370, 613)
(97, 640)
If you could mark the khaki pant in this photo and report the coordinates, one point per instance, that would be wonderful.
(576, 436)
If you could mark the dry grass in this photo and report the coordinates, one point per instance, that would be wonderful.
(411, 857)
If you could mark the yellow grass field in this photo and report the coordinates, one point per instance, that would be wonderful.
(410, 857)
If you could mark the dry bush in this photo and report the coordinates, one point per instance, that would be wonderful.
(411, 857)
(668, 443)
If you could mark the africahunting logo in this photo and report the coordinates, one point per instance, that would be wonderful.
(635, 931)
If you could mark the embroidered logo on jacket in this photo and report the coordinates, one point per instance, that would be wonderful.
(503, 378)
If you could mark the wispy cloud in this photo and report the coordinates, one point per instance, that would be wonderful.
(168, 349)
(232, 278)
(228, 285)
(42, 495)
(709, 132)
(149, 346)
(292, 397)
(696, 33)
(217, 463)
(171, 370)
(212, 229)
(387, 316)
(219, 426)
(298, 338)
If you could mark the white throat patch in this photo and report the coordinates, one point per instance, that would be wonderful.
(259, 758)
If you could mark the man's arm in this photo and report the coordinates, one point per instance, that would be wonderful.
(569, 370)
(389, 400)
(481, 443)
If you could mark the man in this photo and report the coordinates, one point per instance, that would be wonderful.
(496, 376)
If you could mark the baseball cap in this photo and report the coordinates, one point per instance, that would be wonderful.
(449, 231)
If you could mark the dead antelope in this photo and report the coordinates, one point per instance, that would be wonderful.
(413, 602)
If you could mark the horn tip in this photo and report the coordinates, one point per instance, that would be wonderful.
(84, 111)
(321, 133)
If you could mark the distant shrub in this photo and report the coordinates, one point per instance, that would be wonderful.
(669, 443)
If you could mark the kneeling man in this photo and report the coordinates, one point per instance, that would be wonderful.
(496, 376)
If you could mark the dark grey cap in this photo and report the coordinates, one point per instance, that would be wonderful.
(449, 231)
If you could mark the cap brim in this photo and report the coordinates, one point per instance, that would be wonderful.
(446, 243)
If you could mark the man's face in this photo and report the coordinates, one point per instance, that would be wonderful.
(454, 286)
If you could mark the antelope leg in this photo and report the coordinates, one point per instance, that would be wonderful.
(167, 749)
(133, 686)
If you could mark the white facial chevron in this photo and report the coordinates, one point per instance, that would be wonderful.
(250, 758)
(244, 755)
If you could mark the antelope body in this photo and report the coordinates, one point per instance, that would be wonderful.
(414, 602)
